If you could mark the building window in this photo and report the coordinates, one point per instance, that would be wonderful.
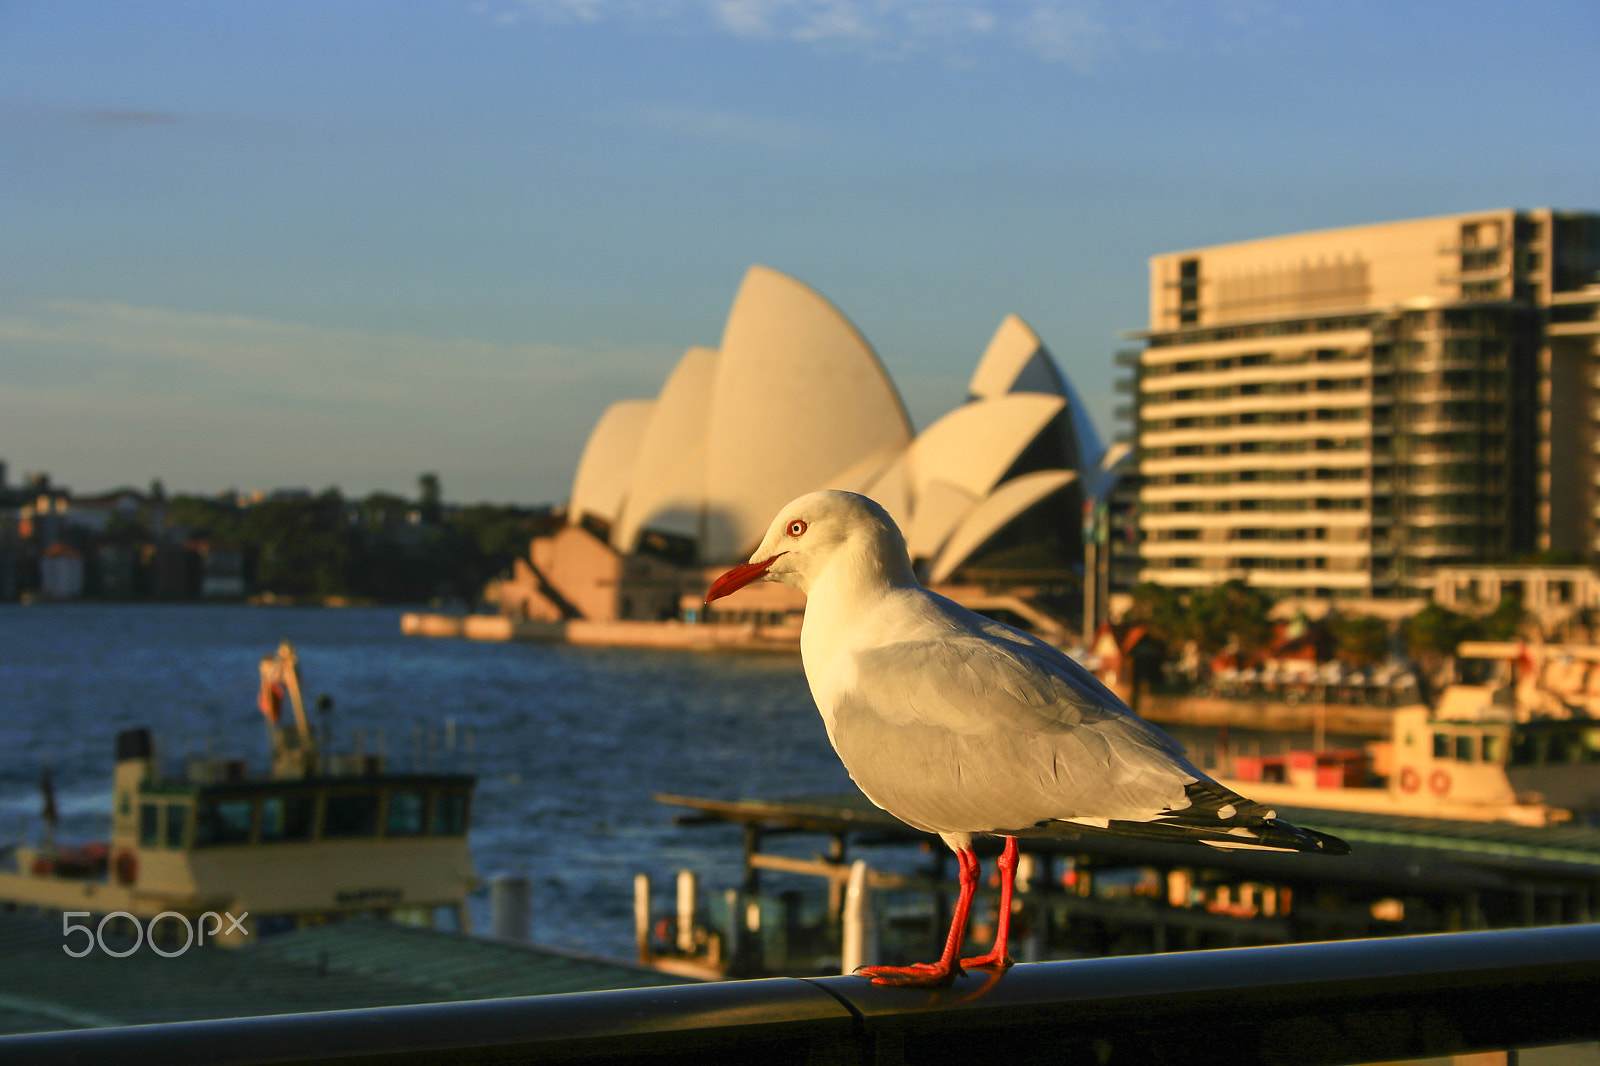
(1188, 292)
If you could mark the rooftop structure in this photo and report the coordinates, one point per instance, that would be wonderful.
(1337, 414)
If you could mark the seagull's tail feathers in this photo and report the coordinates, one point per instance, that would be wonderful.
(1222, 819)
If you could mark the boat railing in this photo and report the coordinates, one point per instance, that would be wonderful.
(1332, 1003)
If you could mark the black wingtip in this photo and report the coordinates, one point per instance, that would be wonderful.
(1328, 845)
(1311, 839)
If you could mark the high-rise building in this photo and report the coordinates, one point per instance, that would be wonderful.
(1334, 414)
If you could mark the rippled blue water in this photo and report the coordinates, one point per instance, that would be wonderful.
(569, 742)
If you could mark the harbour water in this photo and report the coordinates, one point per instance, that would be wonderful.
(569, 742)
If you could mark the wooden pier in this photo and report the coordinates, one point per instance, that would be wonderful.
(1102, 895)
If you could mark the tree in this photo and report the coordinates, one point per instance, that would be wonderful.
(1161, 611)
(1504, 622)
(430, 497)
(1233, 612)
(1359, 640)
(1431, 636)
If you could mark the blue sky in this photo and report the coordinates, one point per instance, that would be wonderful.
(274, 243)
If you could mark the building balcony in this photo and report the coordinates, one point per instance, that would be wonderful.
(1253, 490)
(1441, 486)
(1257, 432)
(1448, 394)
(1310, 401)
(1454, 424)
(1262, 461)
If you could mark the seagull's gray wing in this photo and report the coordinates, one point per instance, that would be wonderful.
(972, 731)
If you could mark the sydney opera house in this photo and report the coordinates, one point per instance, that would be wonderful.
(795, 399)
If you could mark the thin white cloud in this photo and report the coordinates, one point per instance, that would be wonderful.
(113, 394)
(1082, 34)
(1068, 30)
(1072, 34)
(295, 358)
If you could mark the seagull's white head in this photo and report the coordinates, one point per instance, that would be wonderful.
(821, 531)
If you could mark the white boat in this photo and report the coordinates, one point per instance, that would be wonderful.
(317, 837)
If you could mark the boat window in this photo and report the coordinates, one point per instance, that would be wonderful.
(1465, 743)
(1591, 744)
(406, 813)
(1564, 747)
(450, 814)
(177, 828)
(1441, 745)
(350, 814)
(223, 821)
(1524, 749)
(149, 825)
(287, 817)
(1492, 747)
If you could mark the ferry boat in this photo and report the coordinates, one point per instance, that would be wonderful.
(1516, 747)
(319, 837)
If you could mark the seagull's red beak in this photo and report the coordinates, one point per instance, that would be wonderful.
(739, 577)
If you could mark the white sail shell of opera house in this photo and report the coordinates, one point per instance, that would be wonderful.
(798, 399)
(956, 462)
(668, 488)
(605, 471)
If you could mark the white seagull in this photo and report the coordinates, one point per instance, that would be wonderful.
(958, 725)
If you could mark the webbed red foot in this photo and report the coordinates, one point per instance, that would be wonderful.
(917, 975)
(997, 959)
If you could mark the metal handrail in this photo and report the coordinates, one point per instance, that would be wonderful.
(1330, 1003)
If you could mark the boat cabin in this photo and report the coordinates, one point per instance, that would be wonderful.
(316, 838)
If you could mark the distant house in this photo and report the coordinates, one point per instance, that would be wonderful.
(1123, 654)
(61, 573)
(94, 514)
(221, 572)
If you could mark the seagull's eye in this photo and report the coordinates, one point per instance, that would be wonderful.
(796, 528)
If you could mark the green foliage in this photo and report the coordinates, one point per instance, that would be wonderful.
(381, 548)
(1432, 633)
(1160, 610)
(1359, 640)
(1231, 613)
(1504, 622)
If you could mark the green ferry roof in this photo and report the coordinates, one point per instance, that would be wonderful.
(176, 786)
(358, 963)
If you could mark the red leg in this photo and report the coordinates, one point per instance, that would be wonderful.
(930, 974)
(1002, 927)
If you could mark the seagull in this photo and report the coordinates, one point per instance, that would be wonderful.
(961, 726)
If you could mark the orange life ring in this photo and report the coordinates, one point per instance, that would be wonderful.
(1410, 780)
(1439, 781)
(127, 867)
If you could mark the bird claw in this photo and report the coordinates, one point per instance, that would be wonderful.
(917, 975)
(989, 961)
